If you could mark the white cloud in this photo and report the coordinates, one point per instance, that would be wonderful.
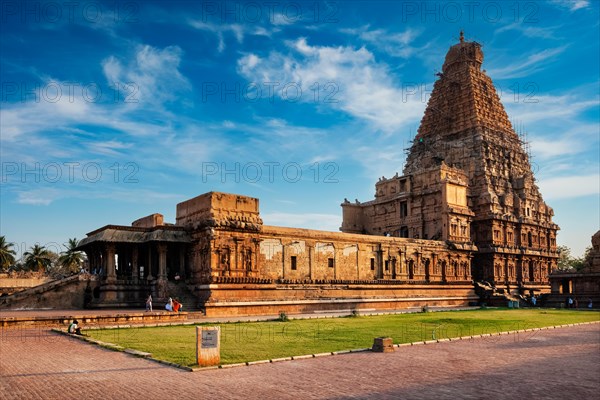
(396, 44)
(530, 31)
(570, 186)
(575, 140)
(348, 79)
(571, 5)
(38, 197)
(109, 148)
(220, 30)
(280, 19)
(541, 108)
(533, 63)
(151, 77)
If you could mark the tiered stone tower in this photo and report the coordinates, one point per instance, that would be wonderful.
(467, 180)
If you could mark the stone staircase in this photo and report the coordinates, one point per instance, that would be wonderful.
(181, 292)
(498, 297)
(49, 293)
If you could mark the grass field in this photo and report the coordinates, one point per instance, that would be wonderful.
(251, 341)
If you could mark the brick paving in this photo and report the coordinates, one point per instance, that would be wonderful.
(549, 364)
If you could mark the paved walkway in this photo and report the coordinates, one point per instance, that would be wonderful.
(549, 364)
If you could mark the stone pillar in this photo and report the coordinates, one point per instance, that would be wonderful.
(161, 284)
(162, 261)
(402, 263)
(235, 263)
(256, 253)
(379, 262)
(358, 250)
(111, 273)
(335, 259)
(434, 267)
(283, 259)
(135, 269)
(149, 266)
(311, 261)
(182, 261)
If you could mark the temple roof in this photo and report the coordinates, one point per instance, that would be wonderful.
(127, 234)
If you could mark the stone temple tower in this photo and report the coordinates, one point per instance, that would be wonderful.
(467, 181)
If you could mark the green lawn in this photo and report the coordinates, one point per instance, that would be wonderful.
(251, 341)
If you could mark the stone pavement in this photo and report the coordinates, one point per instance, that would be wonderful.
(549, 364)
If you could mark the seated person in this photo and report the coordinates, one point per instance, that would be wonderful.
(176, 305)
(74, 328)
(169, 305)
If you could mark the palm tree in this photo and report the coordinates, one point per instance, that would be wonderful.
(7, 255)
(37, 258)
(71, 259)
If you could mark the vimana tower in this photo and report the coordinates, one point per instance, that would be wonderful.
(467, 180)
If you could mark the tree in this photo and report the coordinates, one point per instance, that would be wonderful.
(585, 261)
(38, 258)
(7, 254)
(567, 262)
(71, 259)
(564, 258)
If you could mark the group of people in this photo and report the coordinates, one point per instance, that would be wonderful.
(172, 305)
(573, 303)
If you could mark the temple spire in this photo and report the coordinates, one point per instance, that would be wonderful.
(462, 36)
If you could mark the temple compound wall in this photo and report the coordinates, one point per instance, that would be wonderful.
(245, 267)
(236, 265)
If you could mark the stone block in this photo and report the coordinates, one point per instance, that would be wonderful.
(383, 345)
(208, 345)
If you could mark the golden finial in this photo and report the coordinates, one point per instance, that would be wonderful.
(462, 36)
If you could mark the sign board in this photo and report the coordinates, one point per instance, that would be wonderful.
(210, 339)
(208, 345)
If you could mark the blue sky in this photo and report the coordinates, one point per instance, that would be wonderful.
(111, 111)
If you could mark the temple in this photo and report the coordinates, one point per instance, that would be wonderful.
(465, 209)
(468, 180)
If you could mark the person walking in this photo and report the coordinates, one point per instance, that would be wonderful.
(149, 302)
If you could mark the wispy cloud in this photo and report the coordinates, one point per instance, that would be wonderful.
(349, 79)
(238, 31)
(152, 76)
(542, 108)
(571, 5)
(48, 195)
(570, 186)
(530, 31)
(397, 44)
(533, 63)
